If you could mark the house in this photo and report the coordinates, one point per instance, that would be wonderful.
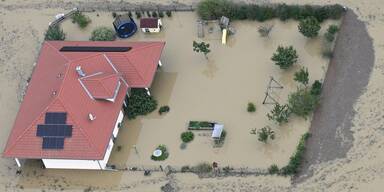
(72, 109)
(150, 25)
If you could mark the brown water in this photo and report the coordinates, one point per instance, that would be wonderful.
(217, 89)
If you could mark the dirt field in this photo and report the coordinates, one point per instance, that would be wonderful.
(361, 169)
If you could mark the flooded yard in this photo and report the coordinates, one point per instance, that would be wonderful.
(215, 89)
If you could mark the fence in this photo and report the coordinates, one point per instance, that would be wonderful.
(123, 7)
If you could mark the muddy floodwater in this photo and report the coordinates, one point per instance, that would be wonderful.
(216, 89)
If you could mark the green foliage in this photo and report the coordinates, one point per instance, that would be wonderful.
(309, 27)
(296, 158)
(164, 153)
(202, 168)
(331, 32)
(164, 109)
(220, 142)
(161, 14)
(201, 47)
(285, 57)
(149, 14)
(265, 30)
(168, 13)
(154, 14)
(302, 102)
(279, 114)
(302, 76)
(54, 33)
(251, 107)
(81, 19)
(185, 168)
(103, 34)
(273, 169)
(214, 9)
(327, 53)
(187, 136)
(316, 88)
(264, 134)
(114, 14)
(139, 103)
(138, 14)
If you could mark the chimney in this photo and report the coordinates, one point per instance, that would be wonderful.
(91, 117)
(79, 71)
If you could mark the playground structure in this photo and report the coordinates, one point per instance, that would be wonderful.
(273, 84)
(124, 26)
(62, 16)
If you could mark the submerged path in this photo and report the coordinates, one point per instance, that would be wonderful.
(346, 79)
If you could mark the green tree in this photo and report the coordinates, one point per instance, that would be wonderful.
(316, 88)
(302, 76)
(285, 57)
(81, 19)
(187, 136)
(264, 134)
(54, 33)
(201, 47)
(309, 27)
(103, 34)
(279, 114)
(331, 32)
(140, 103)
(302, 102)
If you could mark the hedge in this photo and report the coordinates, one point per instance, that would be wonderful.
(214, 9)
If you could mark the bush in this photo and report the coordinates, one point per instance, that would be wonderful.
(251, 107)
(103, 34)
(139, 103)
(316, 88)
(273, 169)
(265, 30)
(302, 76)
(80, 19)
(331, 31)
(54, 33)
(202, 168)
(302, 102)
(161, 14)
(279, 114)
(185, 168)
(164, 109)
(327, 53)
(309, 27)
(285, 57)
(138, 14)
(164, 153)
(282, 11)
(154, 14)
(168, 13)
(214, 9)
(264, 134)
(187, 136)
(296, 158)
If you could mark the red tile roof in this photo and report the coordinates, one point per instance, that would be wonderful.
(149, 23)
(56, 86)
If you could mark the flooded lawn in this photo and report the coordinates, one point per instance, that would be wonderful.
(217, 89)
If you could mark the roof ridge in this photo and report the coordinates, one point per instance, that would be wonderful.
(65, 57)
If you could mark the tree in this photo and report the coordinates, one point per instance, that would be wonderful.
(302, 102)
(331, 31)
(302, 76)
(201, 47)
(103, 34)
(80, 19)
(54, 33)
(140, 103)
(285, 57)
(316, 88)
(279, 114)
(264, 134)
(309, 27)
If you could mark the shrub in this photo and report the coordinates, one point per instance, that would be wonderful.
(227, 169)
(285, 57)
(114, 14)
(138, 14)
(168, 13)
(241, 12)
(149, 14)
(309, 27)
(129, 14)
(103, 34)
(273, 169)
(327, 53)
(164, 109)
(54, 33)
(296, 158)
(282, 11)
(139, 103)
(331, 31)
(187, 136)
(251, 107)
(81, 19)
(202, 168)
(264, 134)
(316, 88)
(154, 14)
(161, 14)
(265, 30)
(185, 168)
(214, 9)
(279, 114)
(302, 76)
(164, 153)
(302, 102)
(201, 48)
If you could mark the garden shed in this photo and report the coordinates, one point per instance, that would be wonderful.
(150, 25)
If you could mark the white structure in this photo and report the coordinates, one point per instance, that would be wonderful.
(150, 25)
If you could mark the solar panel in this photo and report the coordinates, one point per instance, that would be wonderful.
(53, 143)
(54, 130)
(94, 49)
(55, 118)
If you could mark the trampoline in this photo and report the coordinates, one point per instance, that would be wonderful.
(124, 26)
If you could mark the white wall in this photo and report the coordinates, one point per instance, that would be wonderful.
(119, 120)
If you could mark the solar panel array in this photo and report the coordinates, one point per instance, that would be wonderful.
(54, 131)
(94, 49)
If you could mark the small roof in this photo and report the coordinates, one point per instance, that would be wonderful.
(149, 23)
(217, 130)
(102, 85)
